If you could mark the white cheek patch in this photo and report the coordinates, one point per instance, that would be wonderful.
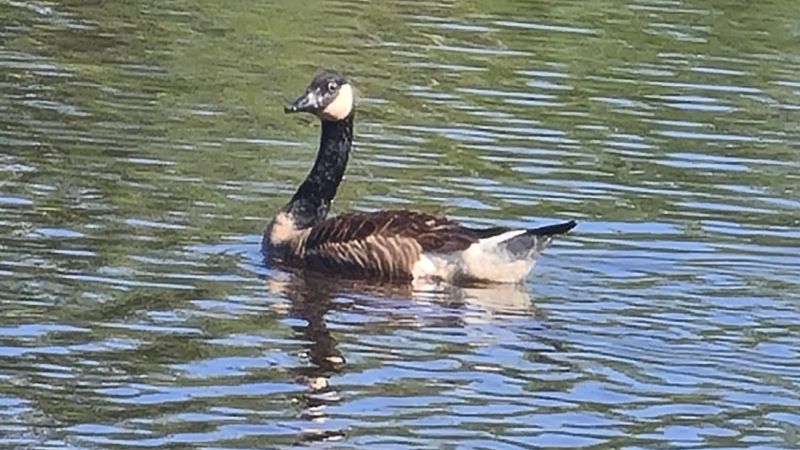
(341, 106)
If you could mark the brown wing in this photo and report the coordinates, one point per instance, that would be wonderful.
(383, 243)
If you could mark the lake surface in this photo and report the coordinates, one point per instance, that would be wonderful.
(143, 149)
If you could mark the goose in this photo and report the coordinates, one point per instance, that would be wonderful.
(392, 245)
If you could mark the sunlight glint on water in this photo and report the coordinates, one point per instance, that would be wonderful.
(144, 148)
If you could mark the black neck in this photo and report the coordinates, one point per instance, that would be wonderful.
(312, 200)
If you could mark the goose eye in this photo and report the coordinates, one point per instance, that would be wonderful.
(332, 86)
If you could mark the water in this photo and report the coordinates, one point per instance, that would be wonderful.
(144, 149)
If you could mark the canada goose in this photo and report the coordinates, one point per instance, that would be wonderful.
(394, 244)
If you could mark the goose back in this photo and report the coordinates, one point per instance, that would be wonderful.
(385, 244)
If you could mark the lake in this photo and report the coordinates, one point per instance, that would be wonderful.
(143, 149)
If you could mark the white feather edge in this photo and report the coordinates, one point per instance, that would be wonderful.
(484, 260)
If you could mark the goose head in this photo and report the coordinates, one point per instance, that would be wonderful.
(329, 97)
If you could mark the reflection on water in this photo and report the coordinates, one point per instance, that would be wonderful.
(143, 149)
(312, 297)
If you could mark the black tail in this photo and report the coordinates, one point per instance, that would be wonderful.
(532, 242)
(551, 230)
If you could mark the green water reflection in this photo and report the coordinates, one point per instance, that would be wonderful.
(143, 148)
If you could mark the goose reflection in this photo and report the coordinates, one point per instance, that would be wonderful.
(312, 297)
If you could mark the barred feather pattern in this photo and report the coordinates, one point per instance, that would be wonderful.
(402, 245)
(386, 257)
(384, 244)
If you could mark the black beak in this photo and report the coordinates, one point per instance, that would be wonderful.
(305, 103)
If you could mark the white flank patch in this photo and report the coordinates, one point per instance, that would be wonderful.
(485, 260)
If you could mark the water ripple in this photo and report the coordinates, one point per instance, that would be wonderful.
(144, 149)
